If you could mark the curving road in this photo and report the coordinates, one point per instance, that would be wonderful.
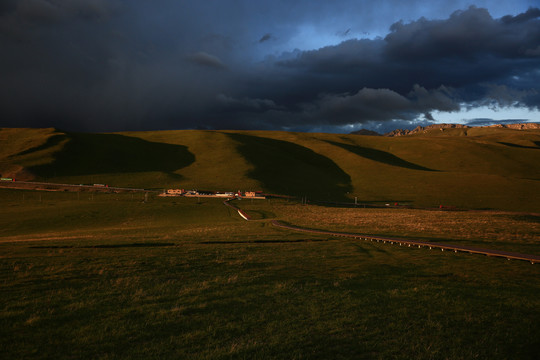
(409, 243)
(472, 250)
(241, 212)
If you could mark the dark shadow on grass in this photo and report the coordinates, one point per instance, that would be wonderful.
(447, 275)
(376, 248)
(52, 141)
(133, 245)
(287, 168)
(362, 250)
(537, 147)
(523, 217)
(87, 154)
(263, 241)
(51, 247)
(261, 214)
(106, 246)
(380, 156)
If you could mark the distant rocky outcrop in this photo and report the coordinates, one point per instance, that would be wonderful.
(424, 129)
(523, 126)
(365, 132)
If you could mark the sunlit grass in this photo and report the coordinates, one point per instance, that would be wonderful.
(491, 229)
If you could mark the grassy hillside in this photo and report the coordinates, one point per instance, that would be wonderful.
(471, 168)
(21, 149)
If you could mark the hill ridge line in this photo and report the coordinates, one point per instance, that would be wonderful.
(442, 127)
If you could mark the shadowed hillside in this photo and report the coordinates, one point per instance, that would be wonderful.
(284, 167)
(490, 168)
(89, 154)
(21, 149)
(380, 156)
(536, 147)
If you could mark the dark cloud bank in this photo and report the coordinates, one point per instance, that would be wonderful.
(113, 65)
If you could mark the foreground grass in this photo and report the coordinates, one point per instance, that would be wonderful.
(201, 283)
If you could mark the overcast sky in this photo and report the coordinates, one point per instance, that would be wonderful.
(303, 65)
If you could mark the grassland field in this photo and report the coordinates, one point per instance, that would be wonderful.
(110, 276)
(477, 168)
(121, 276)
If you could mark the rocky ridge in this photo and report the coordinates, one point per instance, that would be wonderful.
(423, 129)
(442, 127)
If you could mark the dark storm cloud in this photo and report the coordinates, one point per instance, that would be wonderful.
(95, 68)
(429, 117)
(204, 59)
(466, 34)
(380, 105)
(530, 14)
(28, 12)
(245, 104)
(337, 111)
(470, 57)
(502, 95)
(344, 33)
(468, 47)
(265, 37)
(118, 64)
(52, 60)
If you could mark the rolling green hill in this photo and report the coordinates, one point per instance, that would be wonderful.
(478, 168)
